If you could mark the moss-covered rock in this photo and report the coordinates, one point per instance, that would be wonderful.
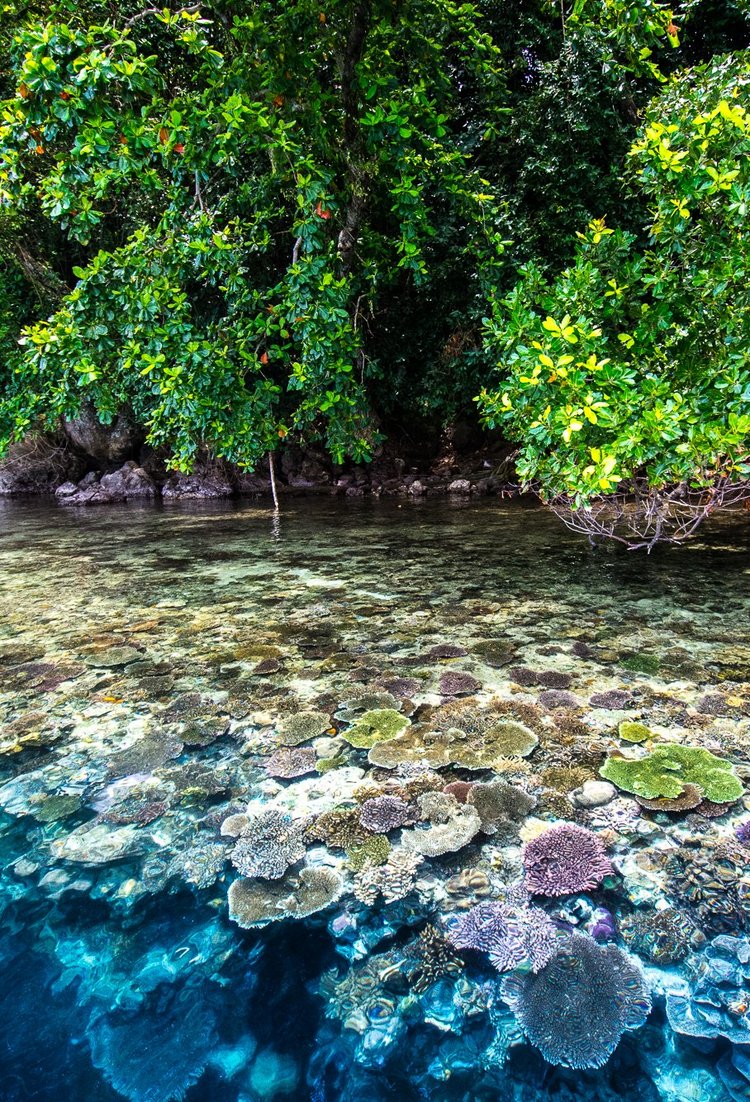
(641, 663)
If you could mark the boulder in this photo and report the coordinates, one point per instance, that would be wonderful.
(459, 486)
(128, 483)
(108, 444)
(201, 483)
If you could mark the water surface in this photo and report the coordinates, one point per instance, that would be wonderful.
(149, 658)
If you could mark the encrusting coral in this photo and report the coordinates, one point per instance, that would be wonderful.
(576, 1009)
(633, 731)
(374, 726)
(374, 850)
(458, 683)
(565, 859)
(501, 806)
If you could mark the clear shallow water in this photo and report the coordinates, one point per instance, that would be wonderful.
(149, 659)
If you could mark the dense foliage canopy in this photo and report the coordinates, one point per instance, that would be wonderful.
(244, 220)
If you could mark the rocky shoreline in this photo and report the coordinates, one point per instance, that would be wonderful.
(81, 470)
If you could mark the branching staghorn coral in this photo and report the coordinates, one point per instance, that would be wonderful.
(514, 935)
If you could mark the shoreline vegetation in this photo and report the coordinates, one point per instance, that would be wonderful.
(236, 232)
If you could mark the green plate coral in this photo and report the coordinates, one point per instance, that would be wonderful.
(632, 731)
(377, 725)
(667, 770)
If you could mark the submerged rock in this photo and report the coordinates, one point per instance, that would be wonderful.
(98, 844)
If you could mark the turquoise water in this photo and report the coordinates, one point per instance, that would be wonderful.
(158, 944)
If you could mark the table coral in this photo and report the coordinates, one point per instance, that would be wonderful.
(268, 845)
(668, 768)
(452, 825)
(576, 1009)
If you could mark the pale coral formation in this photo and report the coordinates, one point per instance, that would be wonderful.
(268, 845)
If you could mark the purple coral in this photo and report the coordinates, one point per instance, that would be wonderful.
(512, 936)
(576, 1009)
(612, 699)
(564, 860)
(290, 762)
(384, 813)
(457, 683)
(557, 698)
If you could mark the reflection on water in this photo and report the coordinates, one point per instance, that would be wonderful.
(199, 698)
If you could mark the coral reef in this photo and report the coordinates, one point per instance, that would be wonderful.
(565, 859)
(188, 753)
(576, 1009)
